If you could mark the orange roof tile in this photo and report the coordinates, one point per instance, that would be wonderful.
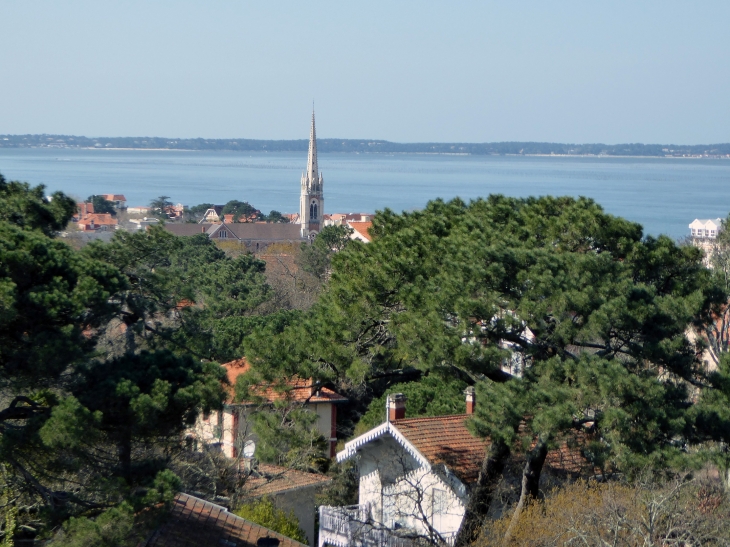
(446, 440)
(295, 389)
(194, 522)
(101, 219)
(269, 479)
(362, 229)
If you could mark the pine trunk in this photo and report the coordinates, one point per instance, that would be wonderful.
(482, 493)
(124, 451)
(530, 483)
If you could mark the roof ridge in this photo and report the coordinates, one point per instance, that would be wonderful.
(428, 418)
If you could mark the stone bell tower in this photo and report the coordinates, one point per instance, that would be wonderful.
(311, 202)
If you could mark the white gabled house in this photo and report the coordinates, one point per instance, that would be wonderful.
(705, 227)
(415, 475)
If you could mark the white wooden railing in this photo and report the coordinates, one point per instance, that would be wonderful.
(352, 526)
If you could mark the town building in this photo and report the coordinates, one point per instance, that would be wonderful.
(144, 223)
(415, 477)
(705, 228)
(703, 233)
(257, 236)
(342, 219)
(212, 215)
(229, 429)
(141, 210)
(119, 201)
(89, 221)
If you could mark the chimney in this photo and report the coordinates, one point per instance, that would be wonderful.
(470, 400)
(314, 388)
(396, 406)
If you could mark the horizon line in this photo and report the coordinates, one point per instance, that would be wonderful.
(360, 140)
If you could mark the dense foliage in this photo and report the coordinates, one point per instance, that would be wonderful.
(565, 318)
(239, 210)
(100, 367)
(572, 326)
(263, 512)
(101, 205)
(182, 293)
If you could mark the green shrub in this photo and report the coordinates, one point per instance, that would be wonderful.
(263, 513)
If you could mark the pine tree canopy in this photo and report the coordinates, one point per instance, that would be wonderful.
(561, 314)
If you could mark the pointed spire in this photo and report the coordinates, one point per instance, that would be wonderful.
(312, 173)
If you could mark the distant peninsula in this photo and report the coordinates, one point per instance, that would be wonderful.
(367, 146)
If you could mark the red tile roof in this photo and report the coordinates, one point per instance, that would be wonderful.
(100, 219)
(446, 440)
(84, 209)
(362, 229)
(194, 522)
(269, 479)
(295, 389)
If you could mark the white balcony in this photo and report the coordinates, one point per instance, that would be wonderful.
(353, 526)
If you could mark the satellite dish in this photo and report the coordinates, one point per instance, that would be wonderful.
(249, 448)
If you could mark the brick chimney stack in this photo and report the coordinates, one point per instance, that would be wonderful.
(470, 400)
(396, 406)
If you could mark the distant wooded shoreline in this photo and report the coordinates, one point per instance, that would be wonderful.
(369, 146)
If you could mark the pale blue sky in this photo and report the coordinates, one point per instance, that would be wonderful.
(566, 71)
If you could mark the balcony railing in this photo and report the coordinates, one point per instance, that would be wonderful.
(352, 526)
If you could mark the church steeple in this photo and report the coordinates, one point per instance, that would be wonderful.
(311, 202)
(312, 171)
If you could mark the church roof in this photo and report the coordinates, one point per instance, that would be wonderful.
(268, 231)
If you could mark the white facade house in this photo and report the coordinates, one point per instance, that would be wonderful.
(705, 227)
(415, 478)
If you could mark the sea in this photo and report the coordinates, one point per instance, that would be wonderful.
(663, 194)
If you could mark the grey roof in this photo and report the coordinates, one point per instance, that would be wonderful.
(186, 229)
(246, 230)
(273, 231)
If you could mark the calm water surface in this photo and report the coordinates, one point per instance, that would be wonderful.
(662, 194)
